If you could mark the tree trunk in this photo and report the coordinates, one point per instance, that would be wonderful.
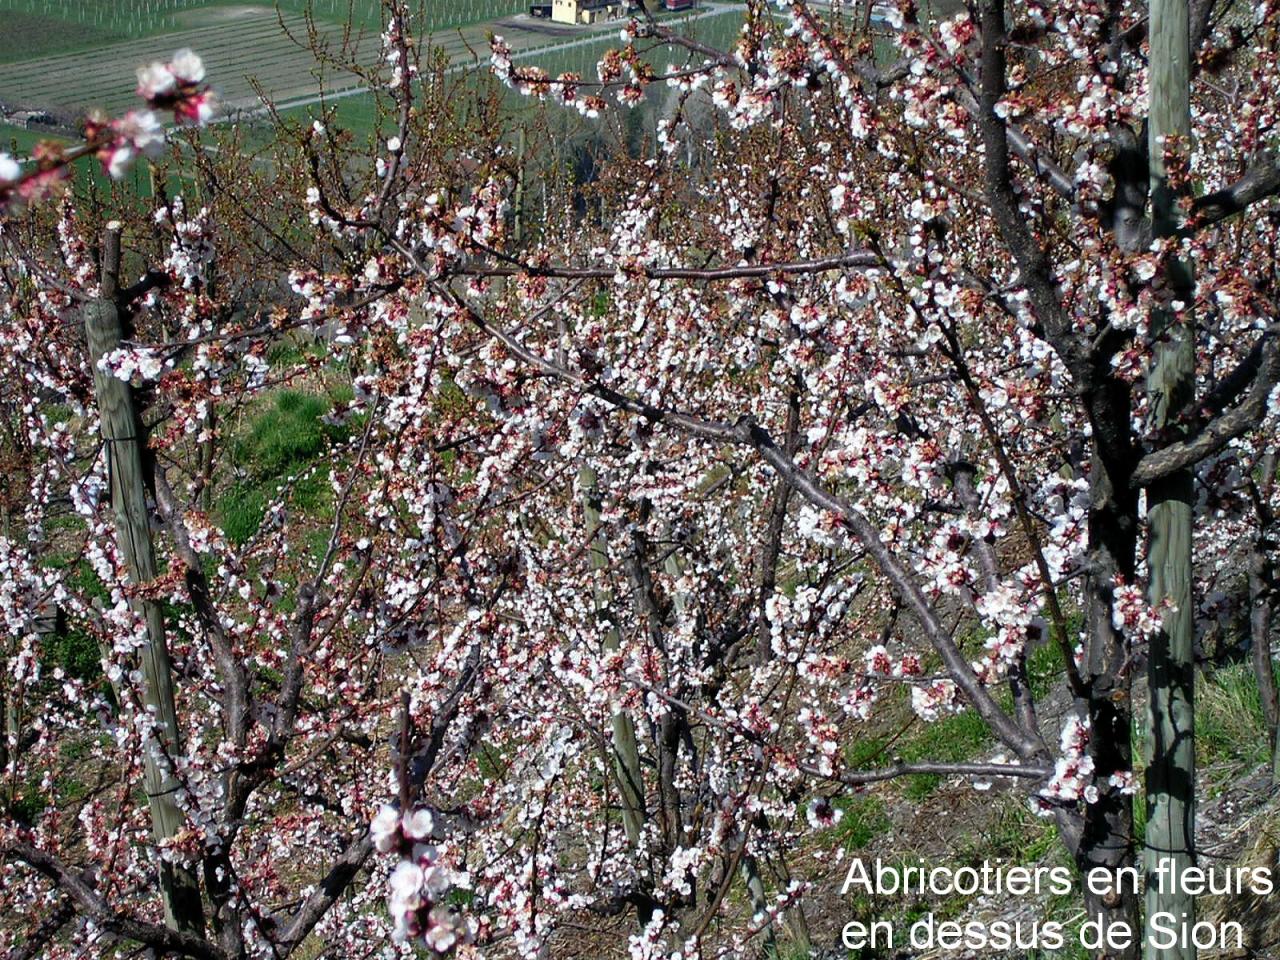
(1106, 839)
(1103, 838)
(1261, 616)
(1170, 505)
(121, 432)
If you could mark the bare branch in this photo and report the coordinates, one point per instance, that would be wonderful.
(326, 892)
(45, 931)
(854, 259)
(860, 778)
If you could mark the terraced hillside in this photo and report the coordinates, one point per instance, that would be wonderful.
(252, 48)
(247, 45)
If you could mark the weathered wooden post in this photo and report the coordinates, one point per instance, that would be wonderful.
(626, 751)
(1171, 766)
(121, 428)
(8, 699)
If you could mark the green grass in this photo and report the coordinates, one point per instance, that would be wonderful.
(240, 512)
(283, 441)
(949, 740)
(1230, 727)
(1045, 666)
(75, 652)
(83, 24)
(867, 752)
(790, 950)
(864, 819)
(20, 142)
(72, 650)
(281, 437)
(131, 31)
(1231, 738)
(37, 27)
(959, 737)
(1013, 833)
(1139, 818)
(28, 803)
(87, 172)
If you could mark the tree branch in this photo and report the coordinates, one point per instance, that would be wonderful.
(1033, 264)
(45, 931)
(79, 887)
(1219, 432)
(746, 432)
(326, 893)
(844, 261)
(860, 778)
(1260, 181)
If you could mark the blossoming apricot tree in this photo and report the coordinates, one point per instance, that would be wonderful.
(629, 519)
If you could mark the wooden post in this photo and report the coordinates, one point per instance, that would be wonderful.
(626, 751)
(122, 436)
(1171, 769)
(520, 178)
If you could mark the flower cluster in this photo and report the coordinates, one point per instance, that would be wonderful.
(1132, 614)
(179, 86)
(931, 700)
(822, 813)
(176, 86)
(191, 251)
(419, 884)
(133, 364)
(1072, 778)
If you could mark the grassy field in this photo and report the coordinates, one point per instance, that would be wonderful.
(88, 173)
(718, 30)
(245, 49)
(27, 35)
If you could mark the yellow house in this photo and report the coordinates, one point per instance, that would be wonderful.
(586, 11)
